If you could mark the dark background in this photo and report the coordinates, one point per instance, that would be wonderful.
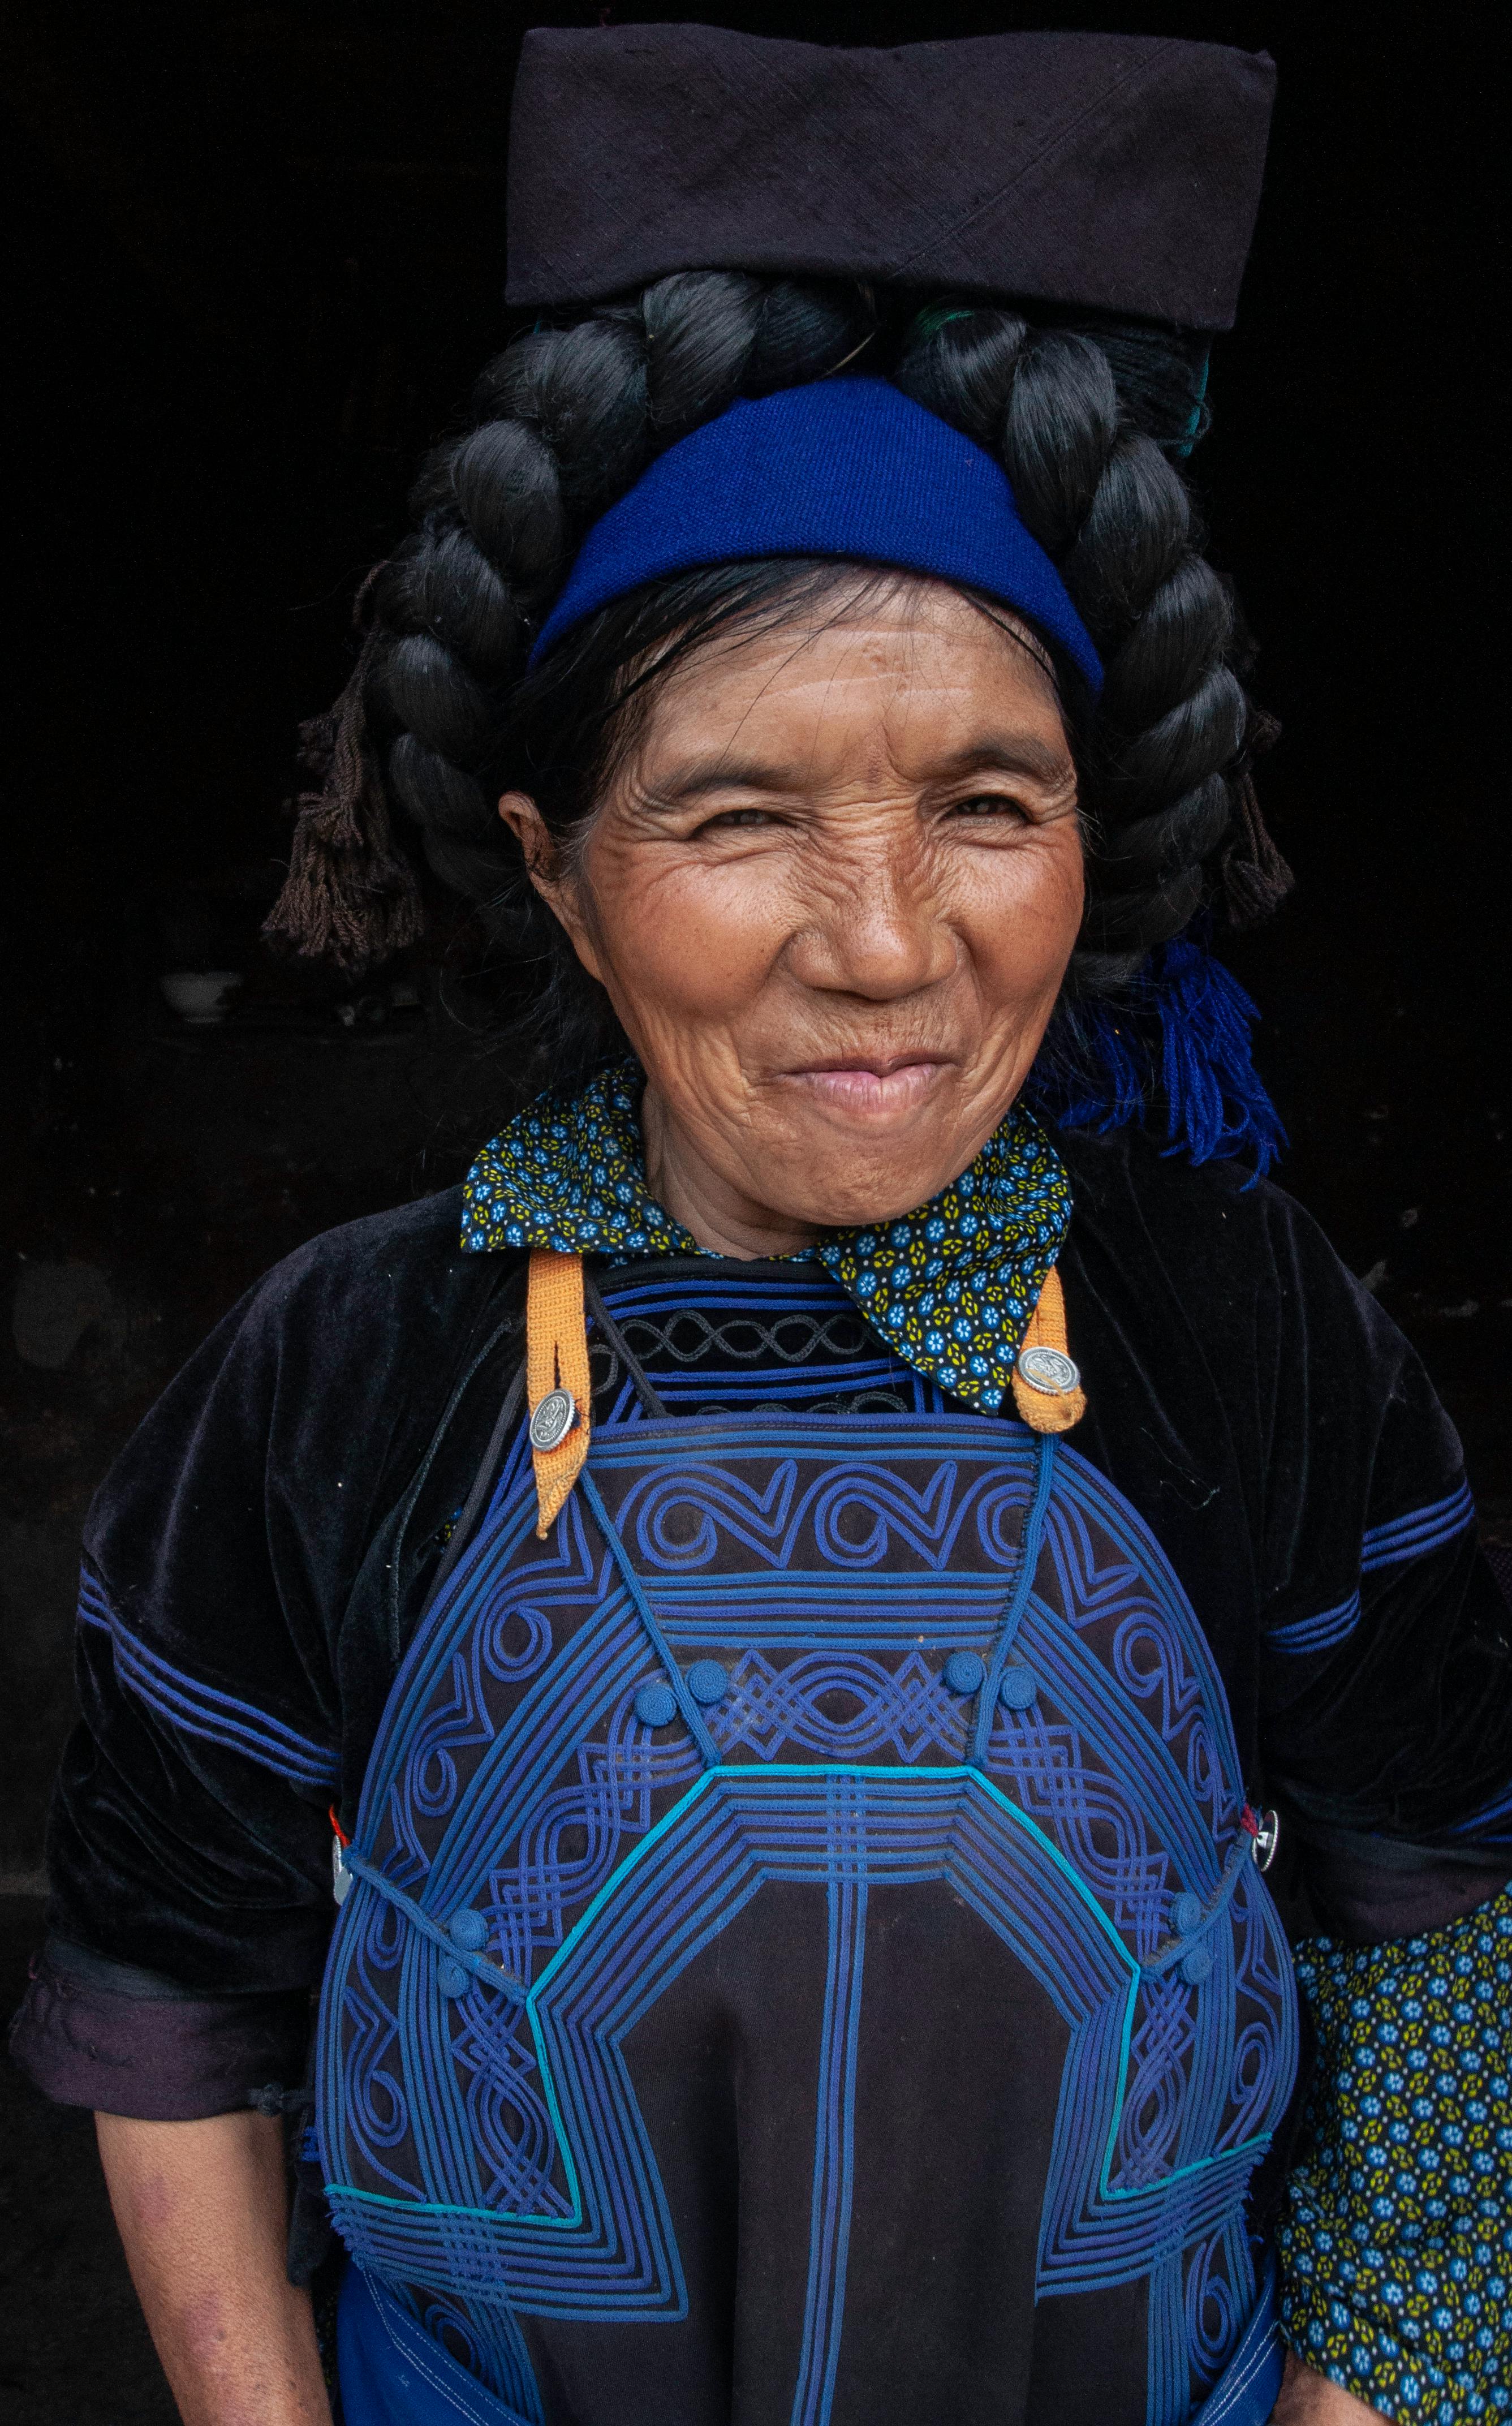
(256, 258)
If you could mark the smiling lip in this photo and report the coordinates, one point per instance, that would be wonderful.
(871, 1086)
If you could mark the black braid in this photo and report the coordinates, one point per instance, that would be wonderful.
(1086, 419)
(566, 419)
(1083, 422)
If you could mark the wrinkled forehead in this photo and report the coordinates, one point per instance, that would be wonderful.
(885, 670)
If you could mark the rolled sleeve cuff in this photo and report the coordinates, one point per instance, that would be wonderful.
(1395, 2242)
(100, 2034)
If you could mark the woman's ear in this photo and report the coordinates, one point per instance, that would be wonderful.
(548, 871)
(528, 827)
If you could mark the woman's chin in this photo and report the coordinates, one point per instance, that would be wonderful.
(857, 1183)
(846, 1156)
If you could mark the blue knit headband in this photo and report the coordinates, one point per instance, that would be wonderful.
(845, 467)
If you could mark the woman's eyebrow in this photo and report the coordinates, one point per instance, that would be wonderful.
(722, 774)
(1004, 754)
(1018, 753)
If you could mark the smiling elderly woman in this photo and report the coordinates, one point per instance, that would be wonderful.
(830, 888)
(806, 1585)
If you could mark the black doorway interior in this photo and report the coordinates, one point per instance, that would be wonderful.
(256, 259)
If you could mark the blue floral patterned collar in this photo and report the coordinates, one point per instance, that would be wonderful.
(949, 1286)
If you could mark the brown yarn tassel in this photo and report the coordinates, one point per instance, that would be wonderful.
(1253, 876)
(350, 896)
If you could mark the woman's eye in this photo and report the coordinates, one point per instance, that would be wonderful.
(989, 804)
(735, 820)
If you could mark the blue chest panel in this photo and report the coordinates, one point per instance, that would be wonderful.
(920, 1652)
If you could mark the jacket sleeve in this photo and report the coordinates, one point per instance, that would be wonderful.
(1386, 1736)
(1395, 2239)
(189, 1845)
(1385, 1667)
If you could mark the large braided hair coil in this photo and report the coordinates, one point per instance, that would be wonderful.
(1091, 422)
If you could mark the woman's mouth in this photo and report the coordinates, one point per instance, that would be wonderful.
(871, 1088)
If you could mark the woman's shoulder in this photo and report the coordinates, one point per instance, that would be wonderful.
(1232, 1261)
(379, 1316)
(1220, 1225)
(407, 1263)
(357, 1333)
(329, 1375)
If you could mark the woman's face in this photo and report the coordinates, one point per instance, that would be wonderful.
(831, 894)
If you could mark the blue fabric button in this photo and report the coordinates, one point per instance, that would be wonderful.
(452, 1979)
(656, 1705)
(707, 1681)
(964, 1672)
(1187, 1915)
(468, 1930)
(1195, 1964)
(1019, 1686)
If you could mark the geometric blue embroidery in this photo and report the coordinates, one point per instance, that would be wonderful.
(196, 1708)
(487, 2159)
(847, 1875)
(714, 1340)
(1414, 1535)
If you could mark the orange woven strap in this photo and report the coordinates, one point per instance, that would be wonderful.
(557, 1358)
(1047, 1411)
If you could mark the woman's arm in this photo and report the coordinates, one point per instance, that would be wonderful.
(1396, 2230)
(202, 2211)
(1309, 2399)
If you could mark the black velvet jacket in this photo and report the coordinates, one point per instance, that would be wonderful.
(260, 1553)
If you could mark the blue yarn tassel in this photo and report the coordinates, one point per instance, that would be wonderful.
(1093, 1070)
(1097, 1069)
(1216, 1102)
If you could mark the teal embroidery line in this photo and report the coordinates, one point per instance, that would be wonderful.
(778, 1773)
(929, 323)
(1189, 439)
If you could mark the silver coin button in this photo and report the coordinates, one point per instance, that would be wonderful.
(552, 1419)
(1047, 1369)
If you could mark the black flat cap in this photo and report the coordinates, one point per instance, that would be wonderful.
(1087, 170)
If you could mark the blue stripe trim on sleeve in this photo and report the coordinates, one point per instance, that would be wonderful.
(1483, 1823)
(1320, 1633)
(196, 1708)
(1412, 1536)
(1421, 1531)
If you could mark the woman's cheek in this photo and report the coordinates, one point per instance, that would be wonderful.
(696, 942)
(1020, 919)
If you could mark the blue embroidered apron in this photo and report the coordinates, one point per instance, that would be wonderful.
(803, 1960)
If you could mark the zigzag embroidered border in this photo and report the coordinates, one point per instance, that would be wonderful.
(532, 2202)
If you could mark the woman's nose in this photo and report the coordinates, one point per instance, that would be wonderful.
(877, 929)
